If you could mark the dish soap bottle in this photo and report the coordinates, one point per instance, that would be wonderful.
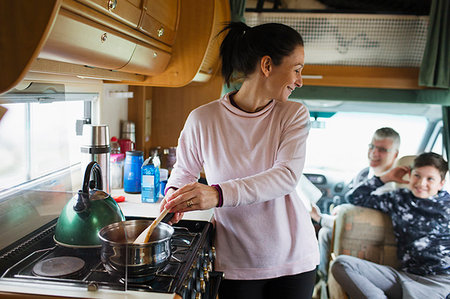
(150, 178)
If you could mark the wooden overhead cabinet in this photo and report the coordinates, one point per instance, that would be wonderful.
(137, 42)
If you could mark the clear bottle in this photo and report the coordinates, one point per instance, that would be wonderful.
(115, 146)
(116, 160)
(150, 178)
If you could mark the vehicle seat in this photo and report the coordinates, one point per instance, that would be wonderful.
(364, 233)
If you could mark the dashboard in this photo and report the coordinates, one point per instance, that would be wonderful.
(332, 185)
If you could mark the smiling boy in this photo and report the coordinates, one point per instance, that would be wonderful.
(421, 220)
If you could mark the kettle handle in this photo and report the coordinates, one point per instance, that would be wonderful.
(82, 203)
(92, 167)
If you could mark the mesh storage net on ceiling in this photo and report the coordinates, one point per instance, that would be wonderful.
(355, 39)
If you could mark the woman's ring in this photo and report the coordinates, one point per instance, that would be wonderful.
(189, 203)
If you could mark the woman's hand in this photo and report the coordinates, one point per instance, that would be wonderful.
(396, 175)
(194, 196)
(315, 213)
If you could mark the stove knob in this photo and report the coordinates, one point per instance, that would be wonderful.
(209, 255)
(210, 267)
(198, 285)
(202, 285)
(92, 287)
(191, 282)
(194, 274)
(206, 274)
(188, 284)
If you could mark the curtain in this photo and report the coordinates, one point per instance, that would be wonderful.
(237, 10)
(445, 136)
(435, 68)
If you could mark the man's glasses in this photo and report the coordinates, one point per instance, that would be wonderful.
(379, 148)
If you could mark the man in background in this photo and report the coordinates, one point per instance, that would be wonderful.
(382, 153)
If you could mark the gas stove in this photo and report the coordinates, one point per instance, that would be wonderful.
(189, 272)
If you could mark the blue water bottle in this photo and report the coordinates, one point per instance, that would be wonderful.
(132, 171)
(150, 178)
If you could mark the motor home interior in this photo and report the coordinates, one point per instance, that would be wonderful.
(65, 63)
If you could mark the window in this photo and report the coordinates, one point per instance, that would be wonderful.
(338, 141)
(37, 139)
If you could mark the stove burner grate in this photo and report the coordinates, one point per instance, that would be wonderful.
(60, 266)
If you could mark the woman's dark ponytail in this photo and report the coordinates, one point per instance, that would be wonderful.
(229, 49)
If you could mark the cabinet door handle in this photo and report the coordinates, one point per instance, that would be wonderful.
(112, 4)
(104, 37)
(160, 32)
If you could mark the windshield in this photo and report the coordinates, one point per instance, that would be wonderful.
(339, 144)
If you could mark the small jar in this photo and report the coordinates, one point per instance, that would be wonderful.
(132, 171)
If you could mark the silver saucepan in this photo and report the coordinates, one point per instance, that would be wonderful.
(120, 255)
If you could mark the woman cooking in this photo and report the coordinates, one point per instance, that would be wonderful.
(251, 144)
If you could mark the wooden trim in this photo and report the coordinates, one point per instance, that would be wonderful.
(358, 76)
(211, 61)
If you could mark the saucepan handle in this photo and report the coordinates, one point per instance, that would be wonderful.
(167, 218)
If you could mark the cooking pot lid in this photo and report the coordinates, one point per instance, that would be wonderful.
(58, 266)
(98, 195)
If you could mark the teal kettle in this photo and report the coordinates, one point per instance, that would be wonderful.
(87, 213)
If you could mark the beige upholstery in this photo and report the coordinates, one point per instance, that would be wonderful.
(364, 233)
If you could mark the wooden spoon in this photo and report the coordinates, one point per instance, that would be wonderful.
(146, 233)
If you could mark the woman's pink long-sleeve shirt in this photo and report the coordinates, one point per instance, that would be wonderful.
(263, 230)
